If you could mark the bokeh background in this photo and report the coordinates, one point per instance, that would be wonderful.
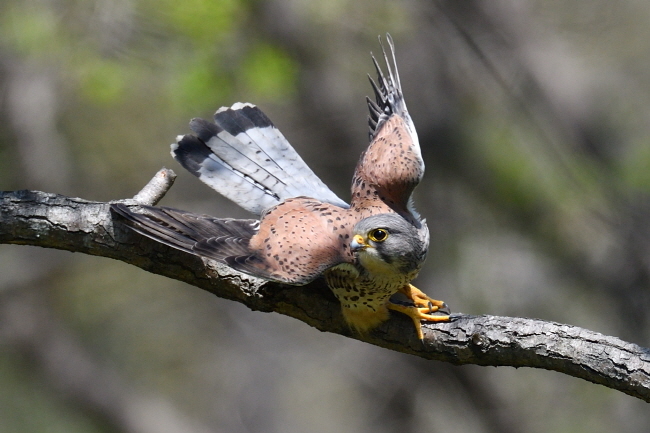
(533, 118)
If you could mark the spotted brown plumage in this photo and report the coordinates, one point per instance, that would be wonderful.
(367, 251)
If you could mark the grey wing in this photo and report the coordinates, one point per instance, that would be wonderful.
(226, 240)
(214, 238)
(244, 157)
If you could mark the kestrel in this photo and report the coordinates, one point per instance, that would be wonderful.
(367, 251)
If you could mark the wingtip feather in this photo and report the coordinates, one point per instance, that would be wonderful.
(387, 88)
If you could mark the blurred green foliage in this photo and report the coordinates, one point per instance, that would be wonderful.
(269, 72)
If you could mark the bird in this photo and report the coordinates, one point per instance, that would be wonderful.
(367, 251)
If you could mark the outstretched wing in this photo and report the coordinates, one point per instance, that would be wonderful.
(392, 166)
(244, 157)
(294, 243)
(299, 239)
(203, 235)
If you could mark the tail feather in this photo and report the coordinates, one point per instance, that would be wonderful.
(244, 157)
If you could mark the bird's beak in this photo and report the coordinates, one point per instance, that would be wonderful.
(358, 244)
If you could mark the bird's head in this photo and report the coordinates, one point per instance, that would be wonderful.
(387, 243)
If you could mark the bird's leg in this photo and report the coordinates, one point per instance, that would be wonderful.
(420, 299)
(422, 310)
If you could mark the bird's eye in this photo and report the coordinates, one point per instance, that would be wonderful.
(378, 235)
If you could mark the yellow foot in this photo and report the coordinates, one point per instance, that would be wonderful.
(422, 310)
(420, 299)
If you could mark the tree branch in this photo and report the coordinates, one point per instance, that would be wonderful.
(156, 188)
(73, 224)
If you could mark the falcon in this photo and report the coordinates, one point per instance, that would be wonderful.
(367, 251)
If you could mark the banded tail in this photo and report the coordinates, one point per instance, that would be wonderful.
(245, 158)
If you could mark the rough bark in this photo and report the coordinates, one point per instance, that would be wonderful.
(55, 221)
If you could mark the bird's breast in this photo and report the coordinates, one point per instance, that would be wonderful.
(363, 296)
